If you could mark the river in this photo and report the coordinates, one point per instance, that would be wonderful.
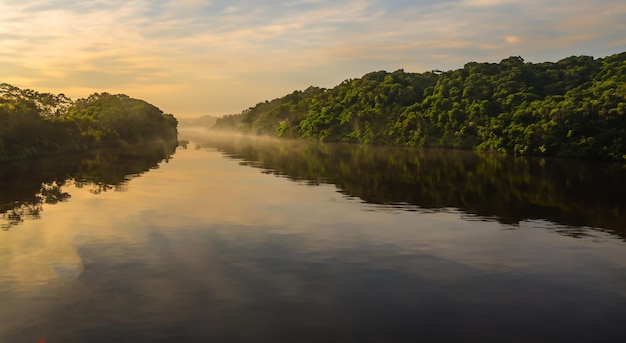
(234, 239)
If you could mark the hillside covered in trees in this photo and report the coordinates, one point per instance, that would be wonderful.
(35, 124)
(575, 108)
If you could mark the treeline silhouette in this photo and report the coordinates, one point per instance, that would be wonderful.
(36, 124)
(573, 108)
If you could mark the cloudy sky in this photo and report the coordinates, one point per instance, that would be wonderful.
(196, 57)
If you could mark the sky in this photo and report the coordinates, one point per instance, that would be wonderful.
(214, 57)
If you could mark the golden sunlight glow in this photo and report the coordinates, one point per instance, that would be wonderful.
(200, 57)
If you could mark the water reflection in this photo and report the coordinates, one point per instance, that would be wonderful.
(232, 284)
(204, 250)
(26, 186)
(485, 186)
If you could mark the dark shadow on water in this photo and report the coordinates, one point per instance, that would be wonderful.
(578, 194)
(25, 186)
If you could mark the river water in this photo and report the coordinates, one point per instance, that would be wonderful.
(258, 240)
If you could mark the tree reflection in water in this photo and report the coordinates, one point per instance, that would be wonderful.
(25, 186)
(577, 194)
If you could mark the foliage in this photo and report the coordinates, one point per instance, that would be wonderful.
(34, 124)
(574, 108)
(272, 117)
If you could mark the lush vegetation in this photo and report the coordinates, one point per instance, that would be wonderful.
(575, 107)
(34, 124)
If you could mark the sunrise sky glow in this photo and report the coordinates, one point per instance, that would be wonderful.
(196, 57)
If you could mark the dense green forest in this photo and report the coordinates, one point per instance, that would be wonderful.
(575, 108)
(35, 124)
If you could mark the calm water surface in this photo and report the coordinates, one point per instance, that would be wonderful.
(275, 241)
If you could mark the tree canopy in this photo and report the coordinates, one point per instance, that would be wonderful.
(34, 124)
(575, 108)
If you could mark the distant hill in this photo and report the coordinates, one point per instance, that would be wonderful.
(573, 108)
(206, 121)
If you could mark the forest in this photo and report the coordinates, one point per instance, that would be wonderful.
(573, 108)
(38, 124)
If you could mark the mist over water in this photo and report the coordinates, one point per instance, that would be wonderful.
(242, 239)
(579, 194)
